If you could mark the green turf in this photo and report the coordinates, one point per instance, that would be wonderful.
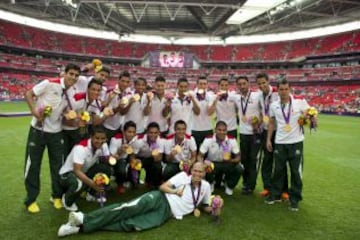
(330, 209)
(13, 107)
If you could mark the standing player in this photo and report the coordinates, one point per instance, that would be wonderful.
(250, 142)
(268, 96)
(288, 146)
(182, 107)
(157, 104)
(45, 131)
(115, 98)
(226, 107)
(201, 123)
(134, 110)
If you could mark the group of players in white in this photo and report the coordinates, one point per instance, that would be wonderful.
(92, 129)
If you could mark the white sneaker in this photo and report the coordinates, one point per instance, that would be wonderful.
(228, 191)
(127, 185)
(90, 198)
(67, 229)
(76, 218)
(72, 208)
(101, 199)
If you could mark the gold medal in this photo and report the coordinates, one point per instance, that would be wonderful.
(244, 119)
(287, 128)
(177, 148)
(154, 152)
(129, 150)
(112, 161)
(266, 119)
(136, 97)
(197, 212)
(226, 156)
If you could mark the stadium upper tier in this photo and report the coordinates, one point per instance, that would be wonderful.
(13, 34)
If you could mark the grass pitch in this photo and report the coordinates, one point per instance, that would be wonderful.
(330, 209)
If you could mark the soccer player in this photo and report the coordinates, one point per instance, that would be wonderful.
(201, 123)
(224, 152)
(124, 147)
(250, 142)
(115, 97)
(83, 101)
(45, 131)
(268, 96)
(225, 107)
(181, 195)
(134, 110)
(81, 165)
(179, 147)
(288, 146)
(151, 154)
(182, 107)
(156, 105)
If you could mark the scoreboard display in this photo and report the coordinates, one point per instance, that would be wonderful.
(171, 59)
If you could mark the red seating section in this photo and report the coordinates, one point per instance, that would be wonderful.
(29, 37)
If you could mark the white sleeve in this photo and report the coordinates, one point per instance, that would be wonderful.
(115, 144)
(162, 145)
(192, 144)
(79, 155)
(272, 111)
(204, 147)
(40, 88)
(178, 180)
(105, 150)
(167, 146)
(137, 146)
(234, 146)
(212, 98)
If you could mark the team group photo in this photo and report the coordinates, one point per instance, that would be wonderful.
(138, 139)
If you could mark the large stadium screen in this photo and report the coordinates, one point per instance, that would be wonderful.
(171, 59)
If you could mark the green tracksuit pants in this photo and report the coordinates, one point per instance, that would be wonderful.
(73, 186)
(153, 171)
(199, 137)
(293, 154)
(71, 138)
(35, 146)
(267, 164)
(250, 146)
(231, 171)
(147, 211)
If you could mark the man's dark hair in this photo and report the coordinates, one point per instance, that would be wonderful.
(72, 66)
(129, 124)
(179, 122)
(242, 77)
(262, 75)
(160, 79)
(95, 81)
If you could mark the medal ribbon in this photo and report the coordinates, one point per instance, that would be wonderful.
(267, 104)
(152, 144)
(67, 99)
(195, 200)
(286, 117)
(243, 109)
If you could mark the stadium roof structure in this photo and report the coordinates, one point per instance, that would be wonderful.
(178, 18)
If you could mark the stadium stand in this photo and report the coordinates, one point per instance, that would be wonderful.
(329, 88)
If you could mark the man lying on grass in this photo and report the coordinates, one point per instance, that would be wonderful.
(179, 196)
